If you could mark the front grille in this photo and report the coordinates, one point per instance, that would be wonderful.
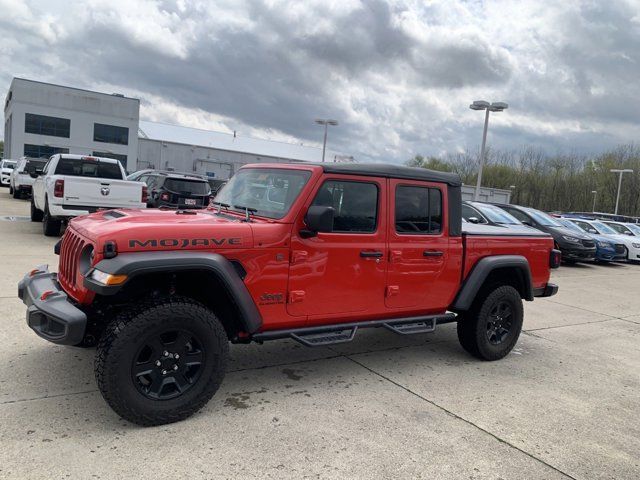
(588, 243)
(72, 245)
(620, 248)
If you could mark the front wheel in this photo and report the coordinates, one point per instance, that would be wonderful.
(490, 329)
(161, 361)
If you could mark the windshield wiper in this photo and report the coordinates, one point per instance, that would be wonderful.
(220, 205)
(248, 211)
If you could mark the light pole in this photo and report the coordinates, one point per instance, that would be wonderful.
(621, 172)
(326, 123)
(488, 107)
(595, 194)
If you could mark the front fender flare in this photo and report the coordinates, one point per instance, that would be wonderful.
(136, 264)
(481, 272)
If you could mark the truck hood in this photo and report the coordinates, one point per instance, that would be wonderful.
(149, 229)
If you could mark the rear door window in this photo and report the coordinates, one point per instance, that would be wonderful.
(418, 210)
(79, 167)
(181, 185)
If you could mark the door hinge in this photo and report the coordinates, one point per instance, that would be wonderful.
(298, 256)
(296, 296)
(392, 290)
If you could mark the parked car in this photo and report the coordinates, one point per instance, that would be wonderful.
(6, 167)
(74, 185)
(596, 227)
(176, 190)
(22, 177)
(631, 229)
(575, 246)
(332, 249)
(607, 248)
(481, 213)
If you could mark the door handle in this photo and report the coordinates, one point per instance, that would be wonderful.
(432, 253)
(369, 254)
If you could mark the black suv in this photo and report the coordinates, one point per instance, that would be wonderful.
(573, 245)
(177, 190)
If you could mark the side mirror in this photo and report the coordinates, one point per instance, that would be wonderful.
(475, 220)
(319, 220)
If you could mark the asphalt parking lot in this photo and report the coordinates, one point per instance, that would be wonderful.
(564, 404)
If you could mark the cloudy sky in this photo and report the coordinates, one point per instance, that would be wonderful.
(397, 75)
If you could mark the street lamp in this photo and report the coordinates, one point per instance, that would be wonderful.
(595, 194)
(488, 107)
(326, 123)
(621, 172)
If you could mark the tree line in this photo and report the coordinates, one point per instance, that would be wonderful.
(562, 182)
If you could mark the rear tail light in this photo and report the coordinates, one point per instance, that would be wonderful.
(58, 188)
(555, 257)
(164, 196)
(145, 194)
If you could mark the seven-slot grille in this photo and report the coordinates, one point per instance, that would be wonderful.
(72, 245)
(588, 243)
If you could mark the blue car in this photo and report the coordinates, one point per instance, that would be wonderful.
(607, 249)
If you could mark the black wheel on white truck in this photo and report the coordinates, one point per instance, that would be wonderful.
(50, 225)
(36, 215)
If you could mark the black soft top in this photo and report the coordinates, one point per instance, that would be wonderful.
(391, 171)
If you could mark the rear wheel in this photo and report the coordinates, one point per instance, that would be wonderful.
(162, 361)
(36, 215)
(490, 329)
(15, 192)
(50, 226)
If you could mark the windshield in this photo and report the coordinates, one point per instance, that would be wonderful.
(634, 228)
(542, 218)
(196, 187)
(80, 167)
(270, 191)
(496, 214)
(8, 164)
(602, 228)
(570, 225)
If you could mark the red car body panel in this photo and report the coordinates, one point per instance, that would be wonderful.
(298, 282)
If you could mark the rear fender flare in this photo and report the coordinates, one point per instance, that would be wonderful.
(481, 271)
(135, 264)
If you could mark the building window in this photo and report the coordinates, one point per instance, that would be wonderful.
(44, 125)
(42, 151)
(418, 210)
(110, 134)
(116, 156)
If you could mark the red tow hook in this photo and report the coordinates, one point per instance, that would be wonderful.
(46, 295)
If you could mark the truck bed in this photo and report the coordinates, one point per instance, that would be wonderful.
(484, 240)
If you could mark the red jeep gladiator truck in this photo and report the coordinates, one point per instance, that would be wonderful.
(310, 252)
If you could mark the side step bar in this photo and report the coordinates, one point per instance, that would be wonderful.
(345, 332)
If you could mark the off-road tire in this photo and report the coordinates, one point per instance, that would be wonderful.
(50, 226)
(117, 353)
(36, 215)
(474, 324)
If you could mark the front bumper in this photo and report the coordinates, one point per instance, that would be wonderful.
(49, 312)
(573, 252)
(549, 290)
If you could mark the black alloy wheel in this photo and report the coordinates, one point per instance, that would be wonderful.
(168, 364)
(499, 323)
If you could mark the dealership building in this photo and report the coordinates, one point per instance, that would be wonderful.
(42, 119)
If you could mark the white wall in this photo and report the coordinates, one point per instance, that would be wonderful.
(83, 108)
(495, 195)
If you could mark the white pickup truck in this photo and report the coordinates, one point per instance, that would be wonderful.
(21, 180)
(74, 185)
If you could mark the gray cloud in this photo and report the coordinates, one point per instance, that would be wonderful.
(398, 75)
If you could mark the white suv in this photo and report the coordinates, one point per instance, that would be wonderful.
(21, 181)
(6, 167)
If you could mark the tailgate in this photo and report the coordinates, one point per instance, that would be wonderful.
(102, 192)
